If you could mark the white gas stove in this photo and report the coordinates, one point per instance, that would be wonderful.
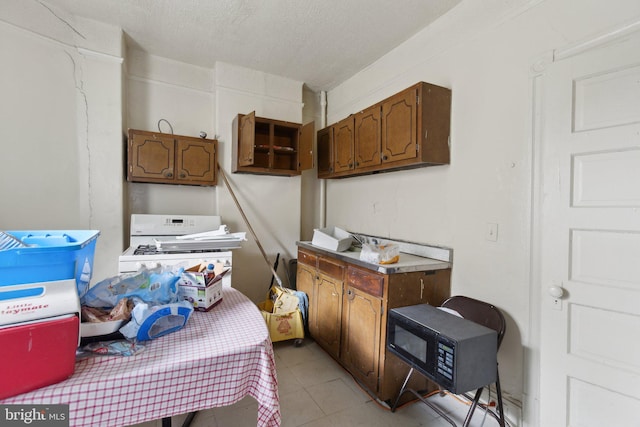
(150, 235)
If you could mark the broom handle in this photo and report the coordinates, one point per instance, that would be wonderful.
(246, 221)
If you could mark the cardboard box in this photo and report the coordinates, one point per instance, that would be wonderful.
(281, 314)
(202, 292)
(332, 238)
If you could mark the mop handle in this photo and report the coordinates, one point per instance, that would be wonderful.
(246, 221)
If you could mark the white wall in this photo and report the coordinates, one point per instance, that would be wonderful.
(483, 51)
(183, 95)
(61, 126)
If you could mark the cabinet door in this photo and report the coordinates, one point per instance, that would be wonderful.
(151, 157)
(399, 126)
(305, 147)
(305, 280)
(343, 138)
(325, 152)
(360, 351)
(246, 143)
(327, 303)
(195, 161)
(367, 137)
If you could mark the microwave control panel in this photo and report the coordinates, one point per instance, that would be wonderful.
(446, 363)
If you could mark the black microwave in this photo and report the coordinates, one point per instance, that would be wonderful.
(457, 354)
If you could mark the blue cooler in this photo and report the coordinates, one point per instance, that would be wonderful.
(40, 286)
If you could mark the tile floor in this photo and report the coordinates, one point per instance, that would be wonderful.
(315, 391)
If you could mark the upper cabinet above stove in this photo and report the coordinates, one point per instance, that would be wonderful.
(162, 158)
(407, 130)
(271, 147)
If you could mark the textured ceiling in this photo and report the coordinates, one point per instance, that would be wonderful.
(319, 42)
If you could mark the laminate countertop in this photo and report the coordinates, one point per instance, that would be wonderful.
(407, 263)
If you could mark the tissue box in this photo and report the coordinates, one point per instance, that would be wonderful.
(203, 294)
(332, 238)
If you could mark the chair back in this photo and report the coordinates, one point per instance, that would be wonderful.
(478, 311)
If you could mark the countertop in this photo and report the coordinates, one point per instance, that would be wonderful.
(407, 263)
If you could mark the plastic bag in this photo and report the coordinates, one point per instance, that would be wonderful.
(380, 254)
(155, 286)
(152, 322)
(109, 348)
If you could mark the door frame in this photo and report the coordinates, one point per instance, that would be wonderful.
(538, 290)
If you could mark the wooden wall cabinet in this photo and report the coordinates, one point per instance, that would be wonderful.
(162, 158)
(271, 147)
(407, 130)
(336, 150)
(348, 307)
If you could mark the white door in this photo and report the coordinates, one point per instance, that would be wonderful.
(590, 238)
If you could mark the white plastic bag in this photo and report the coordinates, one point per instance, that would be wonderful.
(380, 254)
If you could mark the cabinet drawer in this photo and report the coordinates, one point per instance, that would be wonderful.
(331, 267)
(370, 283)
(307, 258)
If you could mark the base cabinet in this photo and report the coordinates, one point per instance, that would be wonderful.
(322, 282)
(348, 307)
(361, 335)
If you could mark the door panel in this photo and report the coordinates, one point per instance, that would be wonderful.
(343, 137)
(305, 147)
(367, 137)
(328, 314)
(247, 139)
(152, 156)
(361, 336)
(590, 241)
(195, 161)
(400, 126)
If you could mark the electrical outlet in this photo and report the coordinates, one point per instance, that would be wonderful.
(491, 233)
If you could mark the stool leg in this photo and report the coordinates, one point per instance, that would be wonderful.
(500, 407)
(474, 403)
(402, 390)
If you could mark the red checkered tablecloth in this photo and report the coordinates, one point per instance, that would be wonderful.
(218, 358)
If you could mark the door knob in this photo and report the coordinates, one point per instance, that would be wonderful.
(556, 291)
